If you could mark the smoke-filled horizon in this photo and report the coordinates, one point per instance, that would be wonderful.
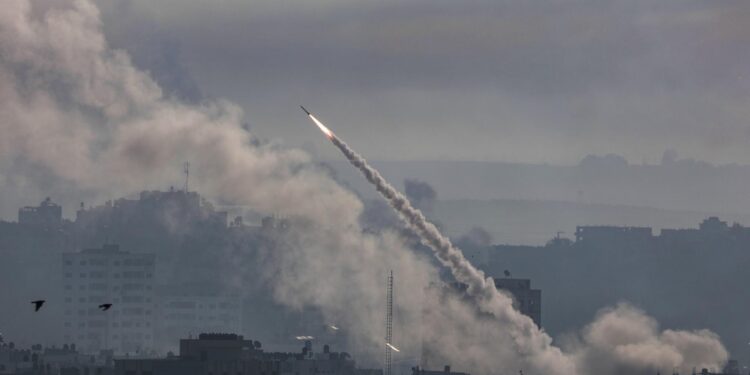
(78, 115)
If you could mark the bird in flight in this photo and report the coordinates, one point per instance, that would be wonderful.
(105, 306)
(38, 304)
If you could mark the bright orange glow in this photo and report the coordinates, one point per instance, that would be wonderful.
(322, 127)
(395, 349)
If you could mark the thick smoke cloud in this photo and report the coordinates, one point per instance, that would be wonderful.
(81, 113)
(623, 340)
(77, 113)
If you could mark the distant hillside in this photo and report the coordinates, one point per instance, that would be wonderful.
(535, 222)
(683, 185)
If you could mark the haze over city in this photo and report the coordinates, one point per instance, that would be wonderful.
(483, 187)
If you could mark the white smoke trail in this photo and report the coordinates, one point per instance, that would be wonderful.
(533, 346)
(528, 340)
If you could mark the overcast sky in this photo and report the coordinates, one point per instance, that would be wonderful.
(514, 80)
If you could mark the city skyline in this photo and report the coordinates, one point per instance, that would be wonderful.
(154, 184)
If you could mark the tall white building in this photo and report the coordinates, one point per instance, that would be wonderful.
(108, 275)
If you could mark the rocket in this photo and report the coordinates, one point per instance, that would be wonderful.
(322, 127)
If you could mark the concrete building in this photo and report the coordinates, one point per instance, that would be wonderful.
(528, 301)
(109, 275)
(47, 214)
(217, 354)
(602, 234)
(51, 361)
(446, 371)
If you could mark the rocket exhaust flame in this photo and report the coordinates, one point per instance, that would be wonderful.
(395, 349)
(322, 127)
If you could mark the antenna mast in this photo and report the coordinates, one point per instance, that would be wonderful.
(187, 175)
(389, 325)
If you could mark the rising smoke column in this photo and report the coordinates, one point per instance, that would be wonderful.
(77, 115)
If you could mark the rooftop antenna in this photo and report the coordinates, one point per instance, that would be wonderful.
(187, 175)
(389, 325)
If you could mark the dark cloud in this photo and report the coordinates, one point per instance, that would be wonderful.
(477, 80)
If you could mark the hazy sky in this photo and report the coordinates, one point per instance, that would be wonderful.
(514, 80)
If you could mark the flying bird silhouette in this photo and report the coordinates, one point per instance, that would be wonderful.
(105, 306)
(38, 304)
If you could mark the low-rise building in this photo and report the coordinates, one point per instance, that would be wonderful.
(446, 371)
(218, 354)
(65, 360)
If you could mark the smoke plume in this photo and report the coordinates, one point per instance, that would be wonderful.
(77, 114)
